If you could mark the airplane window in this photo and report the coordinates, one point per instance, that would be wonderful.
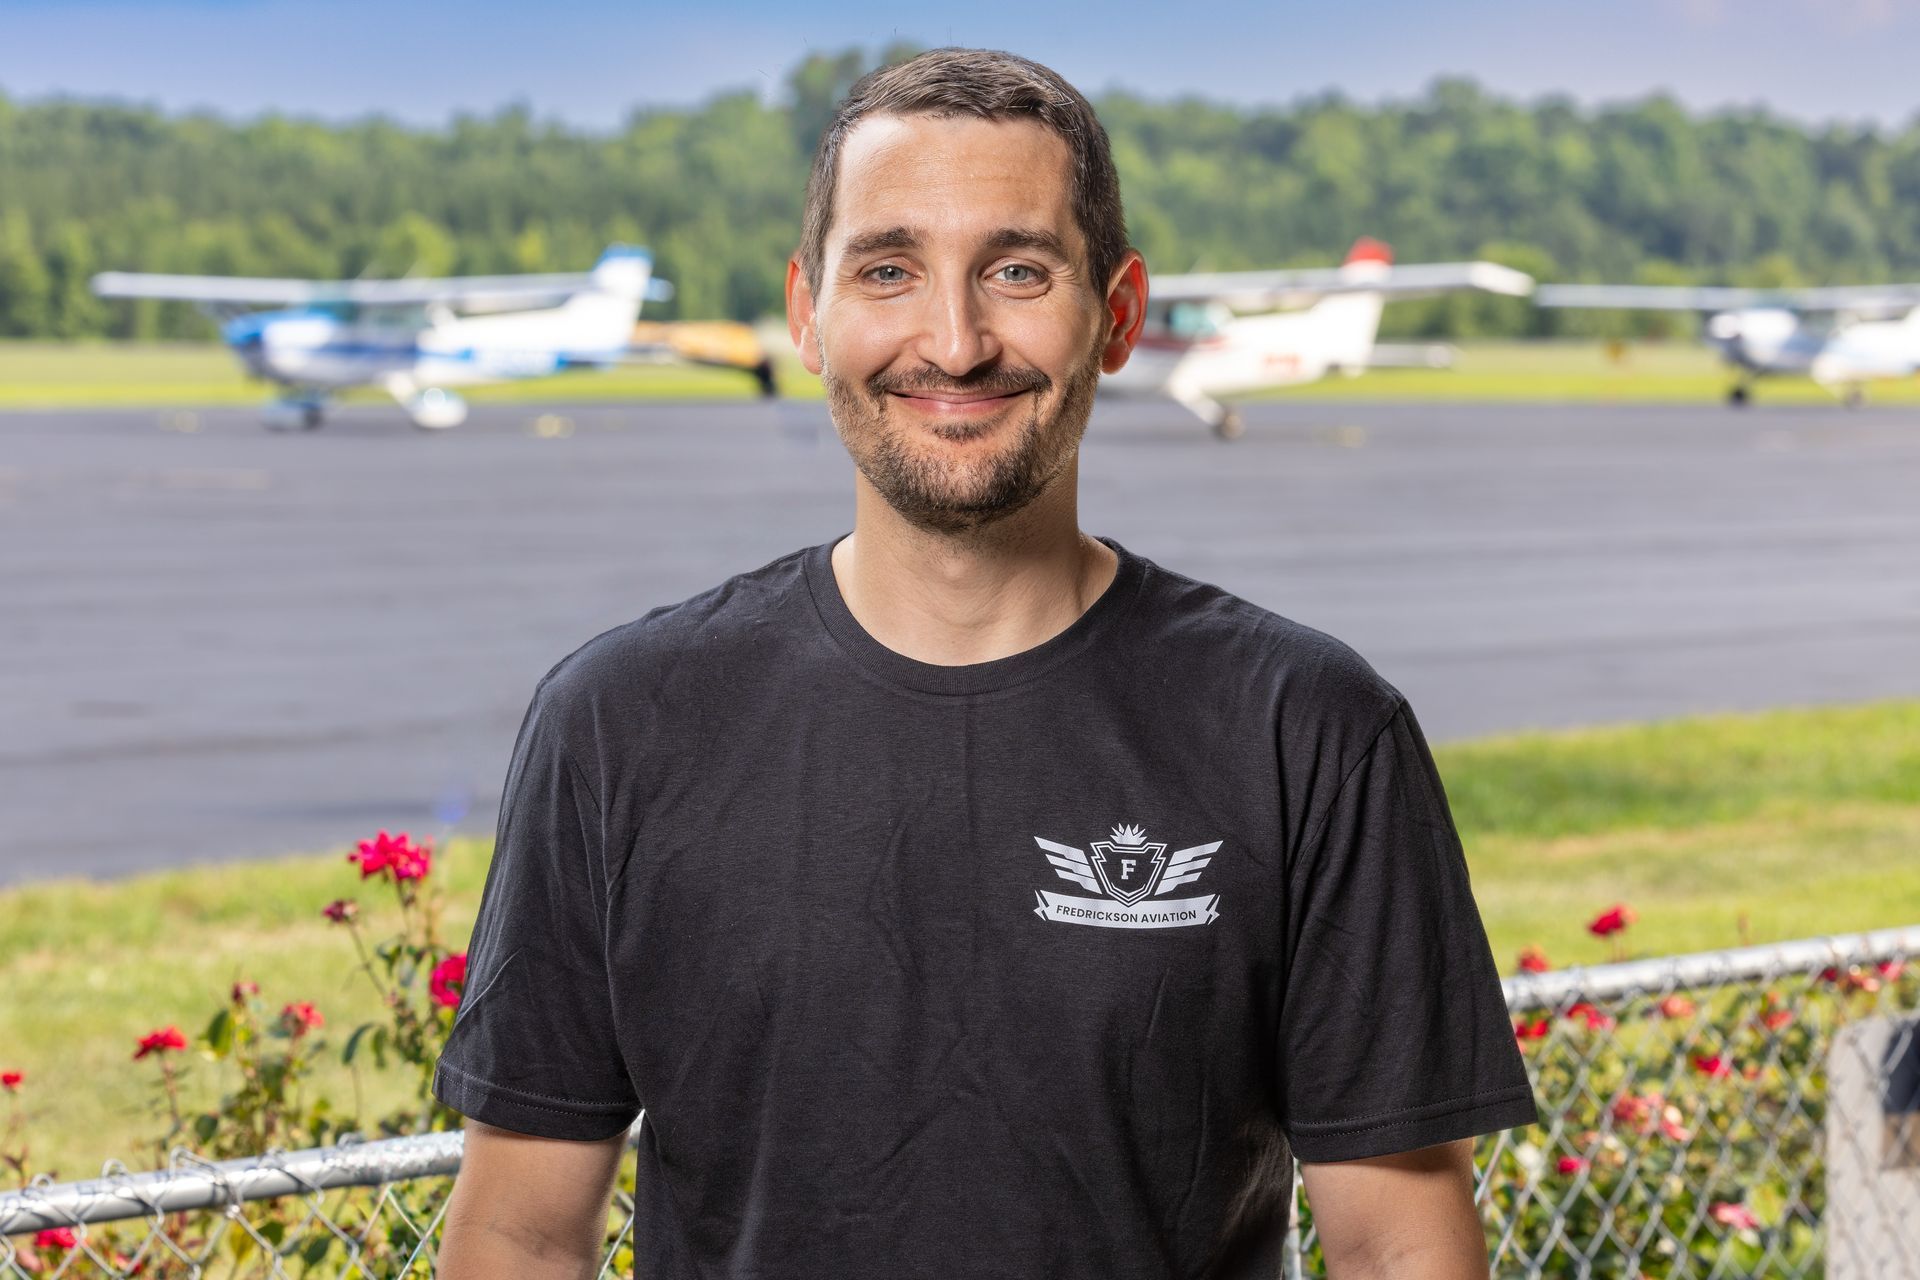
(1192, 320)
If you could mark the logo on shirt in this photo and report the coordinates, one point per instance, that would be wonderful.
(1130, 873)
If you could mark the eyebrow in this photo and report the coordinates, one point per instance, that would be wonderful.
(893, 239)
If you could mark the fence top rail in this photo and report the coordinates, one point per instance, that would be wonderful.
(1707, 968)
(190, 1183)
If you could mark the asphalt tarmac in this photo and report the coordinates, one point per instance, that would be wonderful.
(217, 642)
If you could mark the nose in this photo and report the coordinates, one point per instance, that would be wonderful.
(957, 335)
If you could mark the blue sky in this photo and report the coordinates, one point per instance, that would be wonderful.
(589, 62)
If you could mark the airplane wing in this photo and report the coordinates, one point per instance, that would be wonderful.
(1267, 290)
(1071, 863)
(1185, 865)
(470, 293)
(1649, 297)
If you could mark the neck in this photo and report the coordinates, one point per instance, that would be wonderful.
(956, 599)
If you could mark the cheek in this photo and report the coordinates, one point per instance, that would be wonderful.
(1053, 341)
(861, 342)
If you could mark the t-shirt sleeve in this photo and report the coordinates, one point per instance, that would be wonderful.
(532, 1047)
(1393, 1028)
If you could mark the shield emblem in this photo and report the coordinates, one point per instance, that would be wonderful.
(1128, 871)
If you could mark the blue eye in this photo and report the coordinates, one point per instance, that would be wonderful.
(1028, 278)
(893, 279)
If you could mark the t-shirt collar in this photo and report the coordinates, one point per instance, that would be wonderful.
(1086, 632)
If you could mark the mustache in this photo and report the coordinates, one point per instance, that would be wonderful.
(998, 380)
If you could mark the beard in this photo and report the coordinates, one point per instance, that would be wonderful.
(945, 496)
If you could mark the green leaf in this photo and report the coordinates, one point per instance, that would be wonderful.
(219, 1033)
(380, 1047)
(353, 1042)
(205, 1126)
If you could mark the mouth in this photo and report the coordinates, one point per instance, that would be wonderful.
(956, 406)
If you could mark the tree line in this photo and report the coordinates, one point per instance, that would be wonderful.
(1638, 192)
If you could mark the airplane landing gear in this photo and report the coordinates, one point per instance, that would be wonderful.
(434, 409)
(1854, 397)
(293, 415)
(1739, 395)
(1228, 425)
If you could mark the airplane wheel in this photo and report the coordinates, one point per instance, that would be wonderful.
(1855, 398)
(310, 418)
(1738, 397)
(1229, 426)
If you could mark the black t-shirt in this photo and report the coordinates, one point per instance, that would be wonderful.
(1035, 967)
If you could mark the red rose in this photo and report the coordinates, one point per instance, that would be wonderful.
(1635, 1112)
(10, 1080)
(395, 854)
(56, 1238)
(448, 979)
(1774, 1019)
(1612, 921)
(1713, 1067)
(1533, 960)
(1733, 1215)
(164, 1040)
(1676, 1006)
(1538, 1029)
(1595, 1018)
(1572, 1164)
(242, 989)
(341, 910)
(300, 1018)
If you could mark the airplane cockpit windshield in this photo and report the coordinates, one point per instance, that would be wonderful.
(401, 318)
(1189, 321)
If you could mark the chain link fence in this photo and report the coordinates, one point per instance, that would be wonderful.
(1734, 1113)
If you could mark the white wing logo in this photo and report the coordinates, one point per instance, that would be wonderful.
(1129, 874)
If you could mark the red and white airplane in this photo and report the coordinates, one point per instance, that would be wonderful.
(1214, 336)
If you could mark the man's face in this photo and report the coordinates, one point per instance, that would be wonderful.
(955, 327)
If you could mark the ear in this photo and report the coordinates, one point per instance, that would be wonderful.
(1126, 305)
(802, 320)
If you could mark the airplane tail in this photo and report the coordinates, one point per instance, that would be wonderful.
(602, 316)
(624, 271)
(1347, 322)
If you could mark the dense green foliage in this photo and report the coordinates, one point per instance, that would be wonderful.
(1636, 192)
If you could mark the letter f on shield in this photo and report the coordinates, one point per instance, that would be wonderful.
(1127, 865)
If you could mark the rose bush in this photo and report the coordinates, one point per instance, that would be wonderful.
(1688, 1121)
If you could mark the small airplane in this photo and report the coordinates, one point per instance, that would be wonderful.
(1209, 336)
(417, 337)
(1862, 332)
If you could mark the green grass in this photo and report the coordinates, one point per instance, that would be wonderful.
(42, 375)
(1803, 821)
(59, 375)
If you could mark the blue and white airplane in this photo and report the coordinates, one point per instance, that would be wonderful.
(1841, 336)
(414, 338)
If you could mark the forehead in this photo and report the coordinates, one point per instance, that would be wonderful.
(956, 176)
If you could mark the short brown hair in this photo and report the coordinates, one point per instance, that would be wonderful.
(991, 85)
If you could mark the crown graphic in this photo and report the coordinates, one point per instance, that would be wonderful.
(1130, 836)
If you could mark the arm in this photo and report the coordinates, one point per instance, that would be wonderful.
(528, 1207)
(1408, 1216)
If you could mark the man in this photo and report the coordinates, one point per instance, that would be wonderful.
(969, 896)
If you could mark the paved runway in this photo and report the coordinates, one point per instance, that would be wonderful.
(218, 642)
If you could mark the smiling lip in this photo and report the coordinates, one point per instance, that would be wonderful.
(956, 404)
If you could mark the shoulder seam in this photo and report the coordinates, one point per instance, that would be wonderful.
(1326, 816)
